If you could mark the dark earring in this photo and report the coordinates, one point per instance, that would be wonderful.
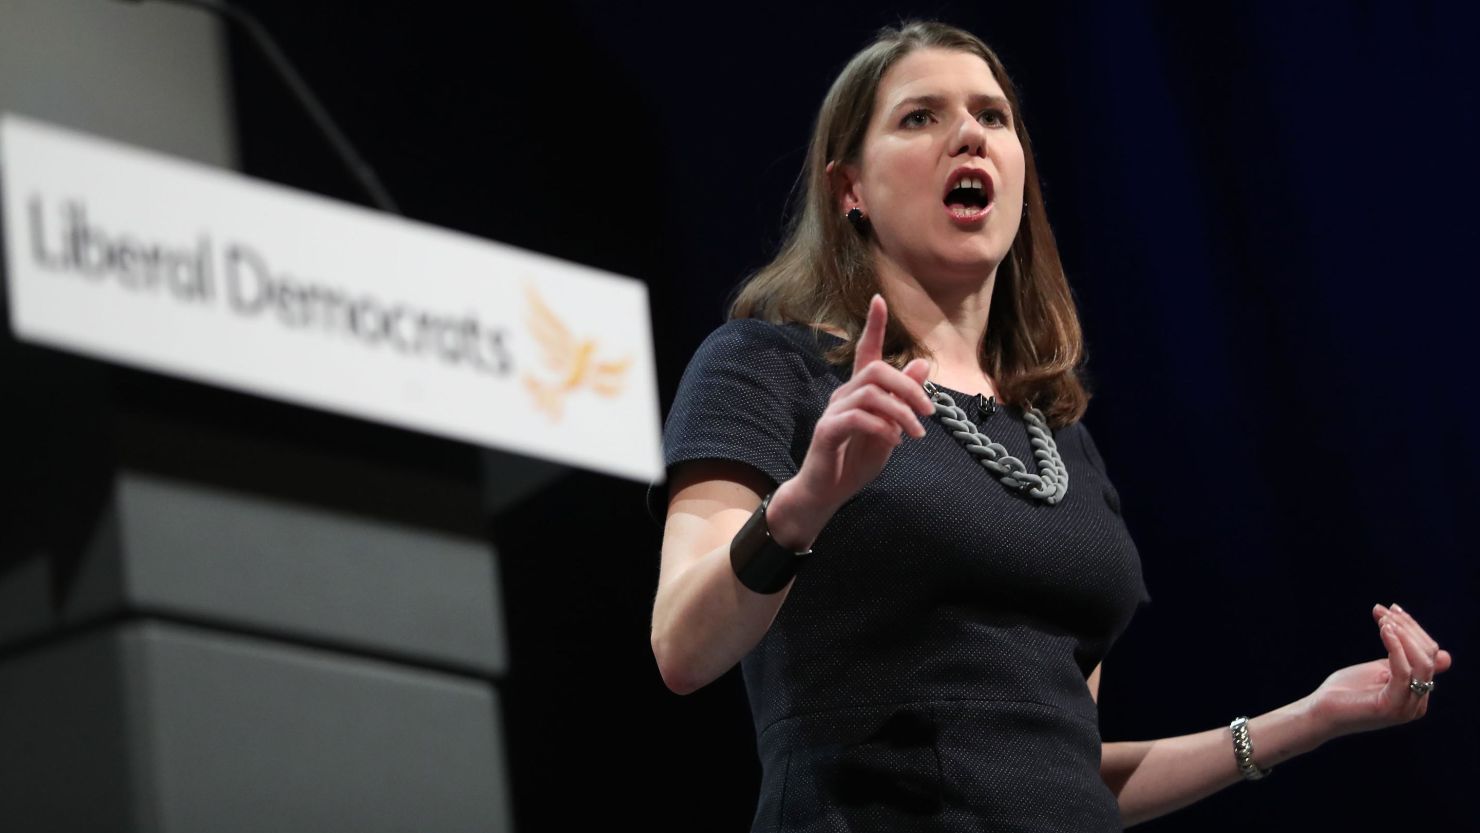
(855, 216)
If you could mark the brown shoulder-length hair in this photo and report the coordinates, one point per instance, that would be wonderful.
(824, 273)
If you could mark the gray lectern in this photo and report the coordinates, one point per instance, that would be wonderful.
(211, 653)
(219, 613)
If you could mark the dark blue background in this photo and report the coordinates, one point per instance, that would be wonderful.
(1266, 211)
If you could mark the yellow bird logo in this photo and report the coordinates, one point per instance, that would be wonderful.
(572, 360)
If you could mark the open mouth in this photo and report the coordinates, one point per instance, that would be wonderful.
(969, 195)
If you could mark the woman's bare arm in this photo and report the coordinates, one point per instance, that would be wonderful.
(1155, 777)
(704, 619)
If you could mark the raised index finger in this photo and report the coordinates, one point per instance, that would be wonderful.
(871, 342)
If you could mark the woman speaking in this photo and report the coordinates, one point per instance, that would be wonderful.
(883, 504)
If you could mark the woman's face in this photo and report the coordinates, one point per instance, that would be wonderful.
(940, 176)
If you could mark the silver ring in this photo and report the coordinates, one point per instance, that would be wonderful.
(1420, 687)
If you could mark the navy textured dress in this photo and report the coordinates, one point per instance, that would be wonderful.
(927, 670)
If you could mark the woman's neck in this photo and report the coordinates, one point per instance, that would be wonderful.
(949, 321)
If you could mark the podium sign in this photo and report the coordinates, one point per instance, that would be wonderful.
(171, 266)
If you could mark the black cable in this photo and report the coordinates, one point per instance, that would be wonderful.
(358, 167)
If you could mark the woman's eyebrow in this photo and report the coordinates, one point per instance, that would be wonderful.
(935, 102)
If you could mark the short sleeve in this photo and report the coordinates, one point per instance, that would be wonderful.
(745, 396)
(1112, 497)
(1093, 454)
(1090, 449)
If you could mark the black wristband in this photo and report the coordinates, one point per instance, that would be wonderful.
(758, 561)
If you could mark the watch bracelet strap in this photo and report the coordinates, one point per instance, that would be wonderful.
(759, 562)
(1243, 750)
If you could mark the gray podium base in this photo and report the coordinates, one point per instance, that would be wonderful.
(218, 660)
(187, 550)
(176, 728)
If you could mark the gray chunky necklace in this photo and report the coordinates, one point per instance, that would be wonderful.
(1051, 482)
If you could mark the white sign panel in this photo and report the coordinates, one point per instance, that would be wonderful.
(175, 267)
